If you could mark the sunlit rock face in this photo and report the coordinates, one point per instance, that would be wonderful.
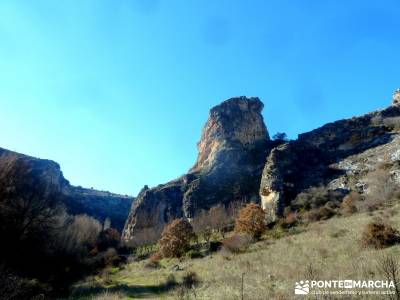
(396, 97)
(235, 123)
(232, 152)
(339, 156)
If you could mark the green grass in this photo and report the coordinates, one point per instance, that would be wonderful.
(328, 249)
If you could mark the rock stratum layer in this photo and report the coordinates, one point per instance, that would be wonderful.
(22, 176)
(231, 158)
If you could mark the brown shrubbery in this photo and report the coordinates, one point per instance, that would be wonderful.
(321, 213)
(348, 206)
(236, 243)
(380, 235)
(289, 219)
(316, 197)
(109, 238)
(175, 239)
(251, 221)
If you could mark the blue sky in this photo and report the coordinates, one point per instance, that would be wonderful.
(117, 92)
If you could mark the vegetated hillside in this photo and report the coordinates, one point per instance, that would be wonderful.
(325, 250)
(49, 239)
(22, 175)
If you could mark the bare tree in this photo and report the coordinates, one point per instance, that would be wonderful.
(389, 267)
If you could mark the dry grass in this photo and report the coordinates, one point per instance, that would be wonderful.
(330, 249)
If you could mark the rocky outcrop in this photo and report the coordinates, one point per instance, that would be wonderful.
(235, 123)
(232, 152)
(327, 157)
(22, 176)
(396, 97)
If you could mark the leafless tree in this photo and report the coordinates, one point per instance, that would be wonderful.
(389, 267)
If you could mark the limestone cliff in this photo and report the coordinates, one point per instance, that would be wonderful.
(24, 176)
(232, 153)
(338, 156)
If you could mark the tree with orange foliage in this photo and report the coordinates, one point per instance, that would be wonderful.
(251, 220)
(175, 238)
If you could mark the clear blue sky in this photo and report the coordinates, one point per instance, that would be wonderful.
(117, 91)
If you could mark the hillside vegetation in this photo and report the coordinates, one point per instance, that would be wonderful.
(328, 249)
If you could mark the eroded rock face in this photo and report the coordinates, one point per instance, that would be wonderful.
(25, 176)
(232, 152)
(334, 155)
(234, 123)
(396, 97)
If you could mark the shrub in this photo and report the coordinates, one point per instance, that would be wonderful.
(155, 257)
(111, 257)
(348, 205)
(219, 218)
(170, 281)
(190, 279)
(176, 238)
(251, 221)
(193, 253)
(316, 197)
(280, 136)
(214, 246)
(382, 189)
(392, 123)
(108, 238)
(289, 220)
(76, 235)
(380, 235)
(236, 243)
(154, 260)
(322, 213)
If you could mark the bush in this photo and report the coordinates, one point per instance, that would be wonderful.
(155, 257)
(348, 205)
(316, 197)
(218, 218)
(193, 253)
(289, 220)
(76, 235)
(382, 189)
(251, 221)
(214, 246)
(380, 235)
(154, 261)
(111, 257)
(13, 287)
(175, 238)
(109, 238)
(322, 213)
(236, 243)
(190, 280)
